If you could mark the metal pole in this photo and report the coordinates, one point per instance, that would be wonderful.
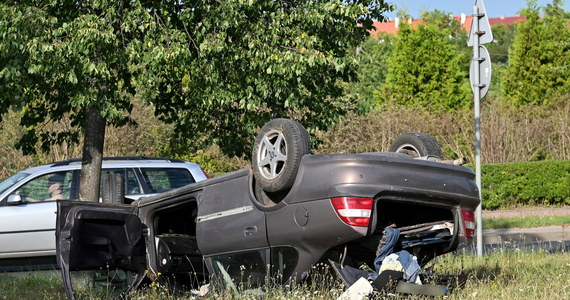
(477, 96)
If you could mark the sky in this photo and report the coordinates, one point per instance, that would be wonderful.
(495, 8)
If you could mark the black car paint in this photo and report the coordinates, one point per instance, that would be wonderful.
(231, 220)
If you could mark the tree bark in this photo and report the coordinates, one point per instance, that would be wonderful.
(94, 139)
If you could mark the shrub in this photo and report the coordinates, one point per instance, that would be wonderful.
(425, 68)
(214, 162)
(508, 133)
(527, 183)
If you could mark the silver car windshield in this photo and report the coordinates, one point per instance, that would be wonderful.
(6, 184)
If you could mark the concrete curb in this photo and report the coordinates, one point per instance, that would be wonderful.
(521, 235)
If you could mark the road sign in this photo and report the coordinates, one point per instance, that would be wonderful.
(480, 75)
(484, 28)
(484, 65)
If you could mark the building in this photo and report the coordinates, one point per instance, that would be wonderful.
(392, 27)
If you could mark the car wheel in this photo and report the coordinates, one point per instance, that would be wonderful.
(417, 144)
(267, 199)
(277, 152)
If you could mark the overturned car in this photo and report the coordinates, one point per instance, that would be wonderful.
(290, 211)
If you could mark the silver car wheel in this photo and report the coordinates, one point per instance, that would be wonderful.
(279, 146)
(272, 154)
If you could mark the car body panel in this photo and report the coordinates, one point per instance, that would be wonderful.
(34, 233)
(311, 228)
(384, 175)
(229, 221)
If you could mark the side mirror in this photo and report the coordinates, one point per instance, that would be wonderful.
(14, 199)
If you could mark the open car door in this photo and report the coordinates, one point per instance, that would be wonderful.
(100, 249)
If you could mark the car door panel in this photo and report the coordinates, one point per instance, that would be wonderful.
(101, 238)
(227, 220)
(27, 229)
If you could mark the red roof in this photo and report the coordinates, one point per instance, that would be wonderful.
(506, 20)
(391, 27)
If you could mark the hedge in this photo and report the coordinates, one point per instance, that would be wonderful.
(541, 183)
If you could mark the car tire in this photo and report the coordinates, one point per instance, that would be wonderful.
(277, 153)
(267, 199)
(113, 190)
(417, 144)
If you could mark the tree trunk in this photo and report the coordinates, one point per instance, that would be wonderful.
(94, 139)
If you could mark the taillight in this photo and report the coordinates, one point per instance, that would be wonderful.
(205, 174)
(469, 222)
(354, 211)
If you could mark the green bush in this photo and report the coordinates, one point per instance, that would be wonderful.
(543, 183)
(214, 162)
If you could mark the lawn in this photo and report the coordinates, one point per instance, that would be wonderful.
(511, 275)
(500, 275)
(526, 222)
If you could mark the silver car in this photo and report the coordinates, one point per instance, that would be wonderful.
(28, 201)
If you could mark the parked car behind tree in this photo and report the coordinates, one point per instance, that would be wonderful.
(28, 200)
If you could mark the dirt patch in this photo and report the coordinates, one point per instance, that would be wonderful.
(527, 212)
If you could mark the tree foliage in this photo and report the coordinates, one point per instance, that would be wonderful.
(59, 60)
(73, 61)
(372, 59)
(503, 35)
(425, 68)
(216, 69)
(225, 68)
(538, 70)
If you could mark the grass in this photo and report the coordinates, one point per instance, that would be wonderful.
(500, 275)
(526, 222)
(33, 285)
(518, 275)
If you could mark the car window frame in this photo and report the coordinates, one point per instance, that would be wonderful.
(283, 261)
(76, 174)
(124, 172)
(143, 178)
(20, 175)
(23, 182)
(221, 272)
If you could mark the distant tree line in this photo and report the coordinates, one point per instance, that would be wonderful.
(418, 81)
(428, 66)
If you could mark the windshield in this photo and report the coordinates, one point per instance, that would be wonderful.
(6, 184)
